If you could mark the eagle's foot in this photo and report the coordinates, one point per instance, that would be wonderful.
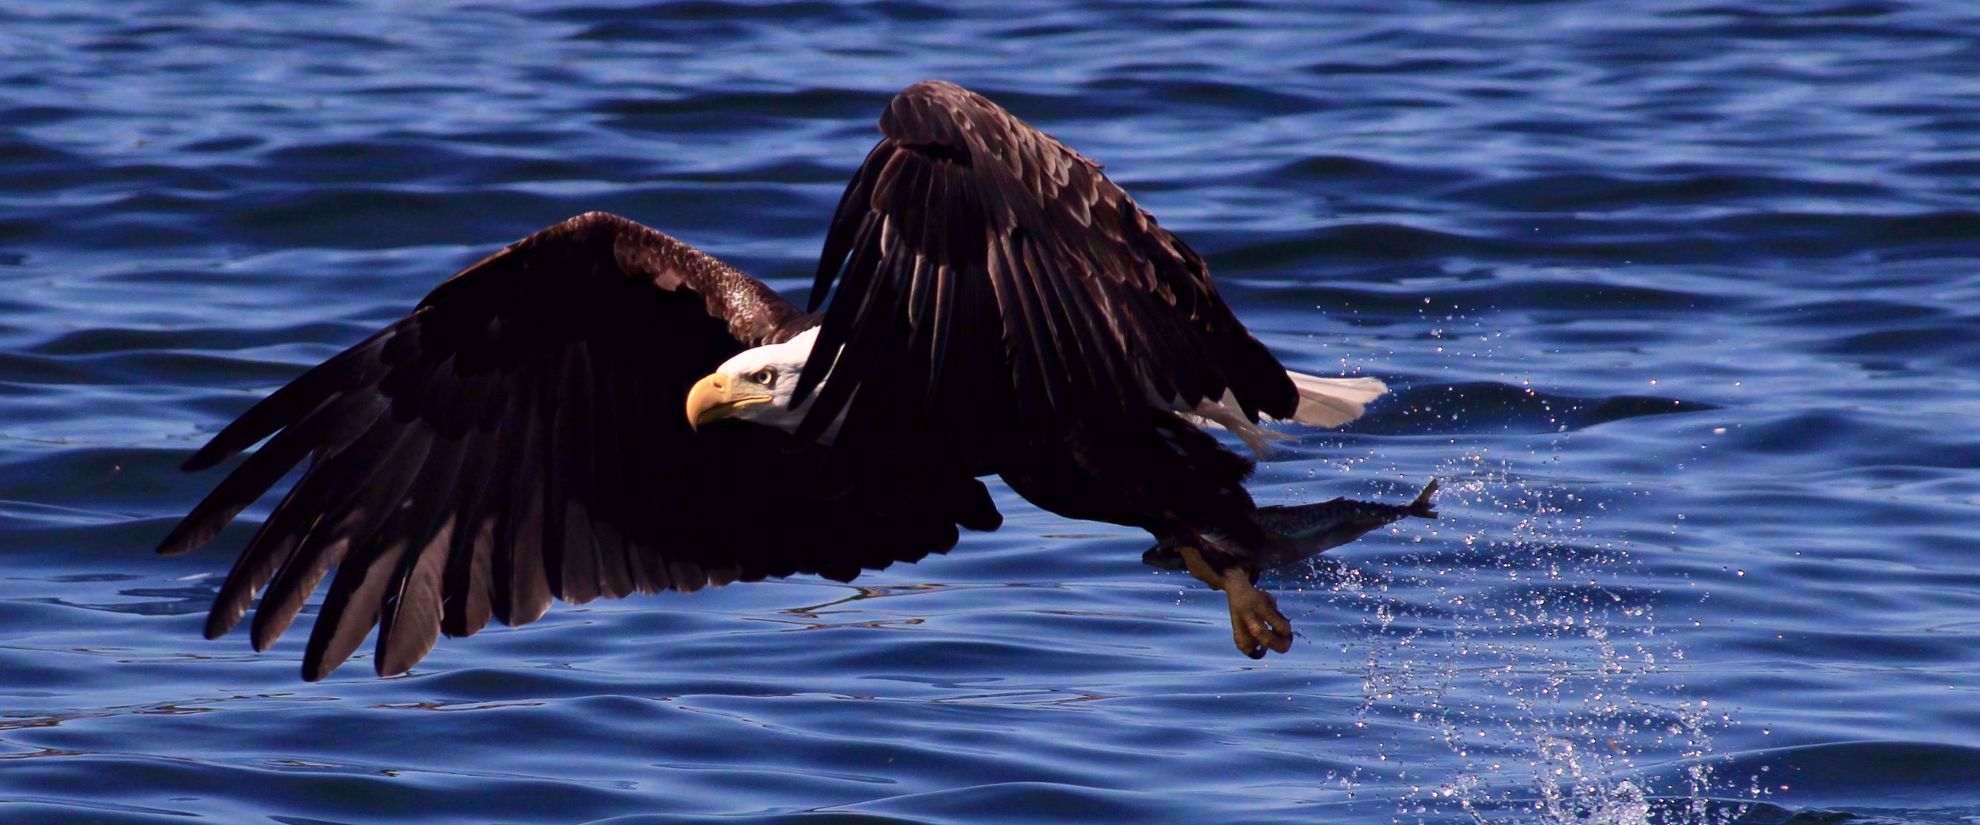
(1256, 623)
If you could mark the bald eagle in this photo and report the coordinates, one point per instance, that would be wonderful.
(600, 409)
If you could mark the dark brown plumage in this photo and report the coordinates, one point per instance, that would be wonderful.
(519, 437)
(1001, 307)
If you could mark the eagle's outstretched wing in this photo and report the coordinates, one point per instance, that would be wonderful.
(993, 284)
(520, 437)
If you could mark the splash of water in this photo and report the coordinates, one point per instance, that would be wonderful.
(1530, 649)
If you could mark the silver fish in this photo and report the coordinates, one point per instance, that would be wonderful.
(1302, 531)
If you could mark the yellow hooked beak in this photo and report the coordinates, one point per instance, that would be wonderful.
(718, 396)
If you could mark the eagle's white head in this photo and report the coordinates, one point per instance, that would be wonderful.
(756, 386)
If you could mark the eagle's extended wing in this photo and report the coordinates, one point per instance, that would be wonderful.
(520, 436)
(992, 282)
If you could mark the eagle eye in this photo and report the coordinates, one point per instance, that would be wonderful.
(763, 376)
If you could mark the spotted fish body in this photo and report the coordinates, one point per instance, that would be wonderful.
(1299, 532)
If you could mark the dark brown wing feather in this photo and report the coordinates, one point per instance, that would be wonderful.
(991, 282)
(521, 437)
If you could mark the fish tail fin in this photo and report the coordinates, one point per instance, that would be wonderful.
(1422, 506)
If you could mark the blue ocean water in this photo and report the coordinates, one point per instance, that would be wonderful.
(1681, 298)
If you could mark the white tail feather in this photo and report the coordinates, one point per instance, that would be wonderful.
(1323, 402)
(1331, 402)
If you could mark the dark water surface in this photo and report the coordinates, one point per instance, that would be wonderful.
(1683, 298)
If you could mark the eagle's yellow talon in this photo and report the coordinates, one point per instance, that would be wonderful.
(1256, 623)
